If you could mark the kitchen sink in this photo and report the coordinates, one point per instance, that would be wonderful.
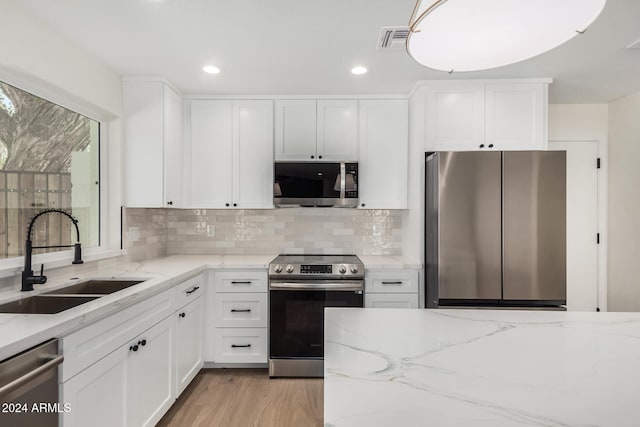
(95, 287)
(44, 304)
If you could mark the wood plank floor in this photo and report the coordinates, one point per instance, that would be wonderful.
(247, 397)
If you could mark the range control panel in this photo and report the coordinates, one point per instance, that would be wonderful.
(316, 269)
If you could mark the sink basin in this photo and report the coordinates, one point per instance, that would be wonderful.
(95, 287)
(44, 304)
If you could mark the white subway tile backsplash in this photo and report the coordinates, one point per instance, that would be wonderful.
(245, 231)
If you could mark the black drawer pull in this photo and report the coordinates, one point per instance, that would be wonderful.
(248, 282)
(142, 342)
(241, 310)
(240, 345)
(181, 315)
(133, 347)
(192, 290)
(392, 283)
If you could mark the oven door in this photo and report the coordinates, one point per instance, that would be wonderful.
(296, 315)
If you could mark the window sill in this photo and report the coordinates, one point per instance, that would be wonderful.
(13, 266)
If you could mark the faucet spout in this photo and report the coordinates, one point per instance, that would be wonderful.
(28, 278)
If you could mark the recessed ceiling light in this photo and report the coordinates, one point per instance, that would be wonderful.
(211, 69)
(359, 70)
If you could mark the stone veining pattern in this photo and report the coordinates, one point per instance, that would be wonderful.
(481, 368)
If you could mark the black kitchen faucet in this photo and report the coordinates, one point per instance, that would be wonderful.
(28, 279)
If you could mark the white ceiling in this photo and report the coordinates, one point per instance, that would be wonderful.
(308, 47)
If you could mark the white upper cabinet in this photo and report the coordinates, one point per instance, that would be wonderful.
(455, 117)
(516, 116)
(231, 154)
(486, 116)
(383, 154)
(337, 128)
(296, 130)
(316, 130)
(152, 144)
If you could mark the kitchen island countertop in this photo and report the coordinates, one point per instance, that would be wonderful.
(398, 367)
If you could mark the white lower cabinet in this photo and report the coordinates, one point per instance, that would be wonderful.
(391, 289)
(150, 388)
(128, 369)
(189, 343)
(241, 345)
(98, 396)
(391, 301)
(237, 317)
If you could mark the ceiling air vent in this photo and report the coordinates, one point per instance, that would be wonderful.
(392, 38)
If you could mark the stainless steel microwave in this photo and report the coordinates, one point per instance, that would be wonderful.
(322, 184)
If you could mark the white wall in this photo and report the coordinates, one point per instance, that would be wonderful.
(624, 204)
(38, 60)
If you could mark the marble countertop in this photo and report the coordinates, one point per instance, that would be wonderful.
(481, 368)
(21, 331)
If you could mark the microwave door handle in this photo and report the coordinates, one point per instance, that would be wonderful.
(343, 179)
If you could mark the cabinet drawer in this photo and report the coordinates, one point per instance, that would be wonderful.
(88, 345)
(391, 301)
(248, 310)
(392, 282)
(241, 281)
(241, 345)
(188, 291)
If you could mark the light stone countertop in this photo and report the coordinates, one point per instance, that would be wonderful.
(21, 331)
(493, 368)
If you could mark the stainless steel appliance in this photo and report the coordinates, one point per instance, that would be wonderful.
(495, 228)
(300, 287)
(27, 379)
(323, 184)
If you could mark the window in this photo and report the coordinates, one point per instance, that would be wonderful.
(49, 158)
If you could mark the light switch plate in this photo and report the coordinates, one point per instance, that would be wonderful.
(134, 234)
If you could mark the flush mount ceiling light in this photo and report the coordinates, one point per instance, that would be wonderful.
(359, 70)
(211, 69)
(471, 35)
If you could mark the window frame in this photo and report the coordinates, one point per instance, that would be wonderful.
(108, 166)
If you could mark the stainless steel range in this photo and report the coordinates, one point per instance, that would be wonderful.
(300, 287)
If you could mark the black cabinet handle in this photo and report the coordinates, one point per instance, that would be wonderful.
(248, 282)
(392, 283)
(235, 204)
(312, 157)
(192, 290)
(362, 205)
(170, 203)
(319, 157)
(490, 145)
(133, 347)
(481, 145)
(142, 342)
(182, 315)
(240, 345)
(226, 204)
(241, 310)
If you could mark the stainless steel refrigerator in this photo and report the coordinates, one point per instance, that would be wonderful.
(495, 228)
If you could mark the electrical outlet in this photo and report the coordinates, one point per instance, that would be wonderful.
(134, 234)
(211, 230)
(377, 229)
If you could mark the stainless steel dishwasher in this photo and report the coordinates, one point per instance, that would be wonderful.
(29, 387)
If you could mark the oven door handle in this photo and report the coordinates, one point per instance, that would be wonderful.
(326, 286)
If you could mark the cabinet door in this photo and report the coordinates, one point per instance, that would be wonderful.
(143, 144)
(98, 395)
(337, 129)
(295, 130)
(455, 117)
(516, 116)
(383, 166)
(391, 301)
(189, 340)
(210, 166)
(253, 154)
(172, 148)
(150, 375)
